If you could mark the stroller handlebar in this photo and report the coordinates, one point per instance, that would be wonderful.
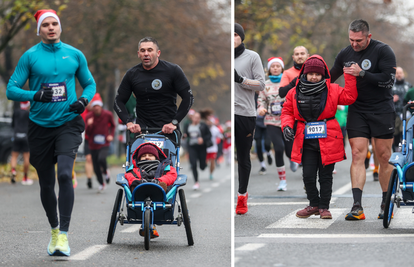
(405, 108)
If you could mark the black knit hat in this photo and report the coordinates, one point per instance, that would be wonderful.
(148, 148)
(239, 30)
(314, 65)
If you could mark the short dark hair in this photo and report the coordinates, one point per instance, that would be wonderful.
(359, 25)
(148, 39)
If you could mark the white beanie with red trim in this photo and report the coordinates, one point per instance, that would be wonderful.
(44, 13)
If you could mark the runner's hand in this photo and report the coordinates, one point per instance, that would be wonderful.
(168, 128)
(288, 133)
(44, 95)
(79, 106)
(134, 128)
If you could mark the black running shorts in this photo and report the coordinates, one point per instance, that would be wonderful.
(47, 143)
(367, 125)
(20, 145)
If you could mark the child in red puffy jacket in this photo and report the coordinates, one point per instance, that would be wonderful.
(150, 165)
(318, 144)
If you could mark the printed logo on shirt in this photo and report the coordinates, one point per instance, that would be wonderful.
(366, 64)
(156, 84)
(65, 57)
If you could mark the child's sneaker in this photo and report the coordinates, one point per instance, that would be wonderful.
(307, 212)
(52, 242)
(62, 246)
(282, 185)
(241, 207)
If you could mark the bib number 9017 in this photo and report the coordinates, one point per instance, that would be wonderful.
(315, 130)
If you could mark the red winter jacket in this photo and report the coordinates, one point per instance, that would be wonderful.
(332, 147)
(168, 177)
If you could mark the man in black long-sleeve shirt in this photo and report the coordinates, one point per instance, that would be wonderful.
(155, 84)
(373, 114)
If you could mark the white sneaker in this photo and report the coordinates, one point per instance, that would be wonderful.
(101, 188)
(27, 182)
(196, 186)
(282, 185)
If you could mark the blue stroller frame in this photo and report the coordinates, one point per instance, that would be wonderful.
(401, 185)
(149, 204)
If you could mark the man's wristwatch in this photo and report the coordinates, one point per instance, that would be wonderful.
(362, 73)
(174, 122)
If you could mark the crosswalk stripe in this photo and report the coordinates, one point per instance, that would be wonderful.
(334, 236)
(132, 228)
(403, 218)
(250, 247)
(87, 253)
(291, 221)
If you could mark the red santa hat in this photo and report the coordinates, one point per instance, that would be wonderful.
(24, 104)
(96, 100)
(272, 60)
(44, 13)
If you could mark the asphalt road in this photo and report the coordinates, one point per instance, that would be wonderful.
(271, 235)
(25, 232)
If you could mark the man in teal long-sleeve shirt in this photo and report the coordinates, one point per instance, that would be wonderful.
(55, 125)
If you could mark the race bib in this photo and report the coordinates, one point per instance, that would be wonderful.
(315, 130)
(99, 139)
(276, 108)
(60, 93)
(159, 143)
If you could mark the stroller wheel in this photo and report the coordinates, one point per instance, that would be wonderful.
(390, 198)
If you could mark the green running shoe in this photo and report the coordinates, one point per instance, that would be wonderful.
(53, 241)
(62, 246)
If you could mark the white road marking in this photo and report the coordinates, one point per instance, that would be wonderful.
(334, 236)
(215, 185)
(195, 195)
(314, 222)
(341, 191)
(206, 190)
(132, 228)
(87, 253)
(250, 247)
(403, 218)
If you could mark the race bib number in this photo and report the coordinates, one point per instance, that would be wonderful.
(157, 142)
(99, 139)
(315, 130)
(60, 93)
(276, 108)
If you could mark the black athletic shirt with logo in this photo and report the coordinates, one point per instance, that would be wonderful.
(156, 94)
(375, 88)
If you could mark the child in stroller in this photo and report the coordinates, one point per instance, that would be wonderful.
(150, 164)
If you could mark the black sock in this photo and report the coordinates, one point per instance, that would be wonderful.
(384, 195)
(357, 193)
